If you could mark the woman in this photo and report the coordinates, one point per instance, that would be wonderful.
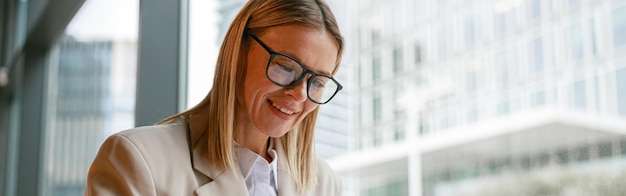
(253, 133)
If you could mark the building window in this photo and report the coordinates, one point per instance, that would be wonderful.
(525, 162)
(575, 42)
(619, 27)
(442, 43)
(536, 54)
(378, 108)
(605, 149)
(359, 78)
(582, 153)
(375, 36)
(424, 124)
(377, 138)
(594, 36)
(562, 156)
(622, 146)
(573, 3)
(504, 107)
(621, 90)
(539, 98)
(500, 23)
(471, 82)
(534, 9)
(418, 54)
(376, 69)
(502, 69)
(359, 113)
(580, 99)
(397, 60)
(470, 35)
(398, 132)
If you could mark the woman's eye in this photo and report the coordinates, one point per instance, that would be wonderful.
(285, 68)
(318, 84)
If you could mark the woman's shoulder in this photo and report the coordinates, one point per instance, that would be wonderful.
(163, 137)
(168, 132)
(146, 160)
(177, 127)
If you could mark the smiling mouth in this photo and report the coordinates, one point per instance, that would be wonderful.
(283, 110)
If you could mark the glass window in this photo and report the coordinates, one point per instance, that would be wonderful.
(472, 115)
(619, 27)
(91, 90)
(442, 42)
(573, 3)
(575, 42)
(562, 156)
(534, 8)
(605, 149)
(504, 106)
(622, 146)
(581, 153)
(398, 133)
(621, 90)
(418, 54)
(539, 98)
(378, 108)
(594, 36)
(536, 52)
(502, 69)
(376, 69)
(500, 23)
(469, 31)
(424, 125)
(377, 138)
(580, 95)
(397, 59)
(470, 82)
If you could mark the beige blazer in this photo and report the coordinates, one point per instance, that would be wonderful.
(157, 160)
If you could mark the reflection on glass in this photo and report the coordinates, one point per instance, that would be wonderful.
(91, 87)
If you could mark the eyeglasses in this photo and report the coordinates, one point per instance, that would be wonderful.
(287, 72)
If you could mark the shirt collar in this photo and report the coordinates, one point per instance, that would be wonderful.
(246, 159)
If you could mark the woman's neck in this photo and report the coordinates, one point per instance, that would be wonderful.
(253, 140)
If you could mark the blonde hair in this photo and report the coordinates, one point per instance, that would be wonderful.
(258, 15)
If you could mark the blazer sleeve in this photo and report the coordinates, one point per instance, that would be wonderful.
(119, 169)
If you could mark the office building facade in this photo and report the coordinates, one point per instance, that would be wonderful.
(486, 97)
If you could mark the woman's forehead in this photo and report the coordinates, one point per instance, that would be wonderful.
(314, 48)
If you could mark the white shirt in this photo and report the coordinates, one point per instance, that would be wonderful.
(260, 176)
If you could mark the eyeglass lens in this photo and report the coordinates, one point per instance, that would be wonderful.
(285, 71)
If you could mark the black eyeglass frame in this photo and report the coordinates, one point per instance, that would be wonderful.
(273, 54)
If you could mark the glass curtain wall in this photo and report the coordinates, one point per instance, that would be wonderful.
(486, 97)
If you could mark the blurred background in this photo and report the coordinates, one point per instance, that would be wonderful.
(441, 97)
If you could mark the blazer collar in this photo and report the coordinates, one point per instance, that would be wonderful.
(230, 182)
(221, 181)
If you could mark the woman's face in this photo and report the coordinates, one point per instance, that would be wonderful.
(266, 108)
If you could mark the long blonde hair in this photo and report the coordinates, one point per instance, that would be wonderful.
(258, 15)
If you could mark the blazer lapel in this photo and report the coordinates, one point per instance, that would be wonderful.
(220, 181)
(286, 184)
